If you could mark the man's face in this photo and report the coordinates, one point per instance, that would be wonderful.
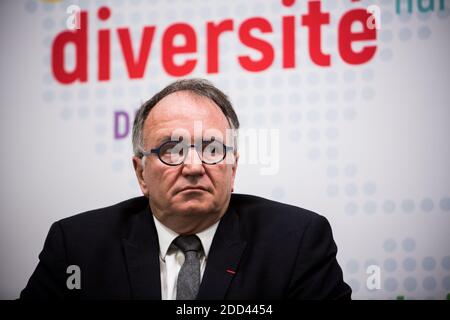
(191, 188)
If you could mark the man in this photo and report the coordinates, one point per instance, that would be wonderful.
(189, 237)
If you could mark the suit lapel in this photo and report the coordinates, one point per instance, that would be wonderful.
(142, 257)
(223, 258)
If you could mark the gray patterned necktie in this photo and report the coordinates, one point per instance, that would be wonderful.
(188, 281)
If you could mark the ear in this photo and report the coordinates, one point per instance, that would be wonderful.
(234, 169)
(139, 171)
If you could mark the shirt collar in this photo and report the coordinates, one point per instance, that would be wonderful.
(166, 236)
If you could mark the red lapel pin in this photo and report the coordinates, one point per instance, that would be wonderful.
(231, 271)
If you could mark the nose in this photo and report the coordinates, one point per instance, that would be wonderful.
(193, 165)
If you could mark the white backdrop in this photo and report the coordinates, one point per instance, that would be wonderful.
(368, 144)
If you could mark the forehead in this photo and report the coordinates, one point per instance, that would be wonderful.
(183, 110)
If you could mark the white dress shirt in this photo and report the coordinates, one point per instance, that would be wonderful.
(171, 258)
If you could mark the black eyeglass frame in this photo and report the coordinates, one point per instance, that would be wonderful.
(197, 147)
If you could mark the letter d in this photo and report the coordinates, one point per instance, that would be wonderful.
(79, 39)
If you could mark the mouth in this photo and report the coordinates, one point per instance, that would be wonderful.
(193, 189)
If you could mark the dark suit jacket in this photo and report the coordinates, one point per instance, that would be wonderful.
(262, 249)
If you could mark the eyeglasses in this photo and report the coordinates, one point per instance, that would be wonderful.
(174, 153)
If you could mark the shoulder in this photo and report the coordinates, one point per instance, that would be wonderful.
(264, 208)
(272, 216)
(115, 217)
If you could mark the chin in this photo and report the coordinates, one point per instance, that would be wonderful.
(194, 203)
(193, 207)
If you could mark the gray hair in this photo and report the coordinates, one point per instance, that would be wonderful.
(200, 87)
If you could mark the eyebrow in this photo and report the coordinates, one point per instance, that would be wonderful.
(166, 138)
(163, 139)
